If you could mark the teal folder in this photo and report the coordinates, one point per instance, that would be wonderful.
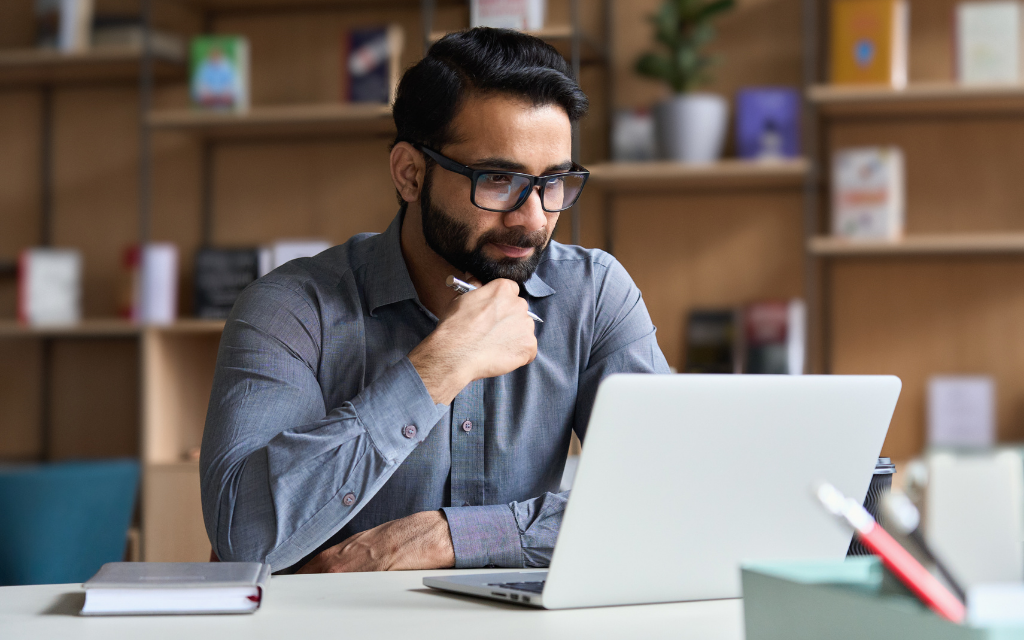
(843, 600)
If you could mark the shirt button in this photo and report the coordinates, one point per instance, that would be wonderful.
(409, 431)
(349, 499)
(467, 426)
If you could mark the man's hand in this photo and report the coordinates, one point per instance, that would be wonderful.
(419, 541)
(486, 333)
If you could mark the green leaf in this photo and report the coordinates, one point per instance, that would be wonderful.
(684, 29)
(655, 66)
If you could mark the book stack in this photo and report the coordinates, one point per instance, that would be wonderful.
(767, 336)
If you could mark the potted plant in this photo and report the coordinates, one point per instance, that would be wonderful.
(690, 125)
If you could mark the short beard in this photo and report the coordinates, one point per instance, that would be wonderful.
(449, 237)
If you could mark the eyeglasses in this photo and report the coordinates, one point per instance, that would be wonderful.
(504, 191)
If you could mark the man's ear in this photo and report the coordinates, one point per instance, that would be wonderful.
(408, 170)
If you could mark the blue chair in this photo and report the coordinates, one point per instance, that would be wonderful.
(60, 522)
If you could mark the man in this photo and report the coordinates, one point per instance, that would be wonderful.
(365, 417)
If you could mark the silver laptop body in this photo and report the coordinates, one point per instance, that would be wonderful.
(684, 477)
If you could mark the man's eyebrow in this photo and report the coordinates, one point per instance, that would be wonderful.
(506, 164)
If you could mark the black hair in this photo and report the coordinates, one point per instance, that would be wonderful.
(480, 60)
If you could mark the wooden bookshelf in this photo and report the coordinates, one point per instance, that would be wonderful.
(916, 99)
(921, 245)
(946, 298)
(279, 121)
(725, 174)
(30, 67)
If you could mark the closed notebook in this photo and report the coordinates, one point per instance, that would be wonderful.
(869, 42)
(161, 588)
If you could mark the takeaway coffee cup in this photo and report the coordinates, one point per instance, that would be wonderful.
(880, 485)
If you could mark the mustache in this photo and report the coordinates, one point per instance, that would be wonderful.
(510, 238)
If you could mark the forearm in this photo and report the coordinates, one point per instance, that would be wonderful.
(279, 501)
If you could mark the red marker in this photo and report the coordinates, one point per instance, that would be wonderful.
(895, 558)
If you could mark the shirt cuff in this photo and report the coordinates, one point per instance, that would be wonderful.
(485, 536)
(397, 411)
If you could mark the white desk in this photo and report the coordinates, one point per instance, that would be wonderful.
(365, 605)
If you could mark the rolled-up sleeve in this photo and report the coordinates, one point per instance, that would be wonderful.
(281, 472)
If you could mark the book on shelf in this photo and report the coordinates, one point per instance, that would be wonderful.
(522, 15)
(868, 193)
(219, 72)
(988, 36)
(768, 123)
(869, 42)
(775, 336)
(129, 33)
(49, 286)
(141, 588)
(220, 277)
(712, 341)
(372, 63)
(64, 24)
(274, 255)
(151, 296)
(961, 411)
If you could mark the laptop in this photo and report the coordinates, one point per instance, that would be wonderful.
(685, 477)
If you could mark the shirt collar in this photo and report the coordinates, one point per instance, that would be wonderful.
(536, 287)
(387, 278)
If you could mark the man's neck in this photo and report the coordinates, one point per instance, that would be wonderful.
(427, 270)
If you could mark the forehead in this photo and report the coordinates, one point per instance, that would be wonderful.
(500, 125)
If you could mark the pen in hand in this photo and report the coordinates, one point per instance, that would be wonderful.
(461, 287)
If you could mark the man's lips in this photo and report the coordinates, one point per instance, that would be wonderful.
(513, 252)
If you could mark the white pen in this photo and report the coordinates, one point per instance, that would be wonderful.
(464, 287)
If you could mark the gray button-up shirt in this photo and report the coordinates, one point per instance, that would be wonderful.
(319, 427)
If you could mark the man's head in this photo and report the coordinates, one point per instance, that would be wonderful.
(488, 99)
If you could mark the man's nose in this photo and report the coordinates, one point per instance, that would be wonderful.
(530, 216)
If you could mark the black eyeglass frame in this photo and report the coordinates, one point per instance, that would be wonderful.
(535, 181)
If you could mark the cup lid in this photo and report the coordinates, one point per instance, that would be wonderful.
(884, 466)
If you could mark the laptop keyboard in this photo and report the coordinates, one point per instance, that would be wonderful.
(532, 587)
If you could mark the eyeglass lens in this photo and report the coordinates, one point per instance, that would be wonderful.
(502, 191)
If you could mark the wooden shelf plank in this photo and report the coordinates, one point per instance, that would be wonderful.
(923, 98)
(106, 328)
(648, 176)
(279, 121)
(297, 5)
(558, 36)
(921, 245)
(191, 325)
(42, 66)
(100, 328)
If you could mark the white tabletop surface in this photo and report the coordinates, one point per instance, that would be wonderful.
(365, 605)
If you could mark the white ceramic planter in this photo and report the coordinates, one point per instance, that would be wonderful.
(691, 127)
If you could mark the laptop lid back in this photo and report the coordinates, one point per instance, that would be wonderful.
(684, 477)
